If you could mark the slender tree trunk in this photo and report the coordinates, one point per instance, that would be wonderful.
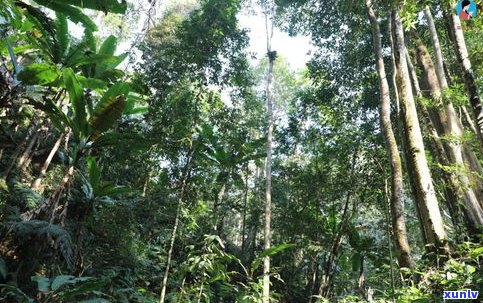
(469, 120)
(171, 247)
(272, 55)
(268, 177)
(179, 208)
(403, 250)
(245, 204)
(425, 194)
(325, 280)
(456, 33)
(360, 286)
(389, 237)
(146, 183)
(28, 151)
(43, 171)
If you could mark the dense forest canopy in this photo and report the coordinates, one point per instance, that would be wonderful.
(147, 155)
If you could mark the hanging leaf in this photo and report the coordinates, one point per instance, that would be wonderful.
(71, 12)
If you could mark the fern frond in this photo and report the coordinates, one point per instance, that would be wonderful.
(25, 196)
(43, 231)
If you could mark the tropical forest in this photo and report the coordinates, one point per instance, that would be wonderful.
(241, 151)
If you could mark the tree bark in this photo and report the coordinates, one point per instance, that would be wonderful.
(425, 194)
(452, 130)
(437, 149)
(403, 250)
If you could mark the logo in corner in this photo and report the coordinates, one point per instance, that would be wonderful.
(466, 9)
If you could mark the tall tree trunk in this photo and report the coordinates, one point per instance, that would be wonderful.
(452, 129)
(456, 34)
(268, 176)
(267, 237)
(425, 194)
(403, 250)
(436, 147)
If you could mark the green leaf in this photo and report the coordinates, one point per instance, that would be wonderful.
(135, 141)
(109, 189)
(43, 283)
(62, 37)
(477, 252)
(83, 289)
(112, 6)
(57, 116)
(96, 59)
(76, 97)
(275, 250)
(118, 60)
(71, 12)
(108, 47)
(106, 114)
(60, 280)
(39, 74)
(111, 75)
(94, 173)
(91, 83)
